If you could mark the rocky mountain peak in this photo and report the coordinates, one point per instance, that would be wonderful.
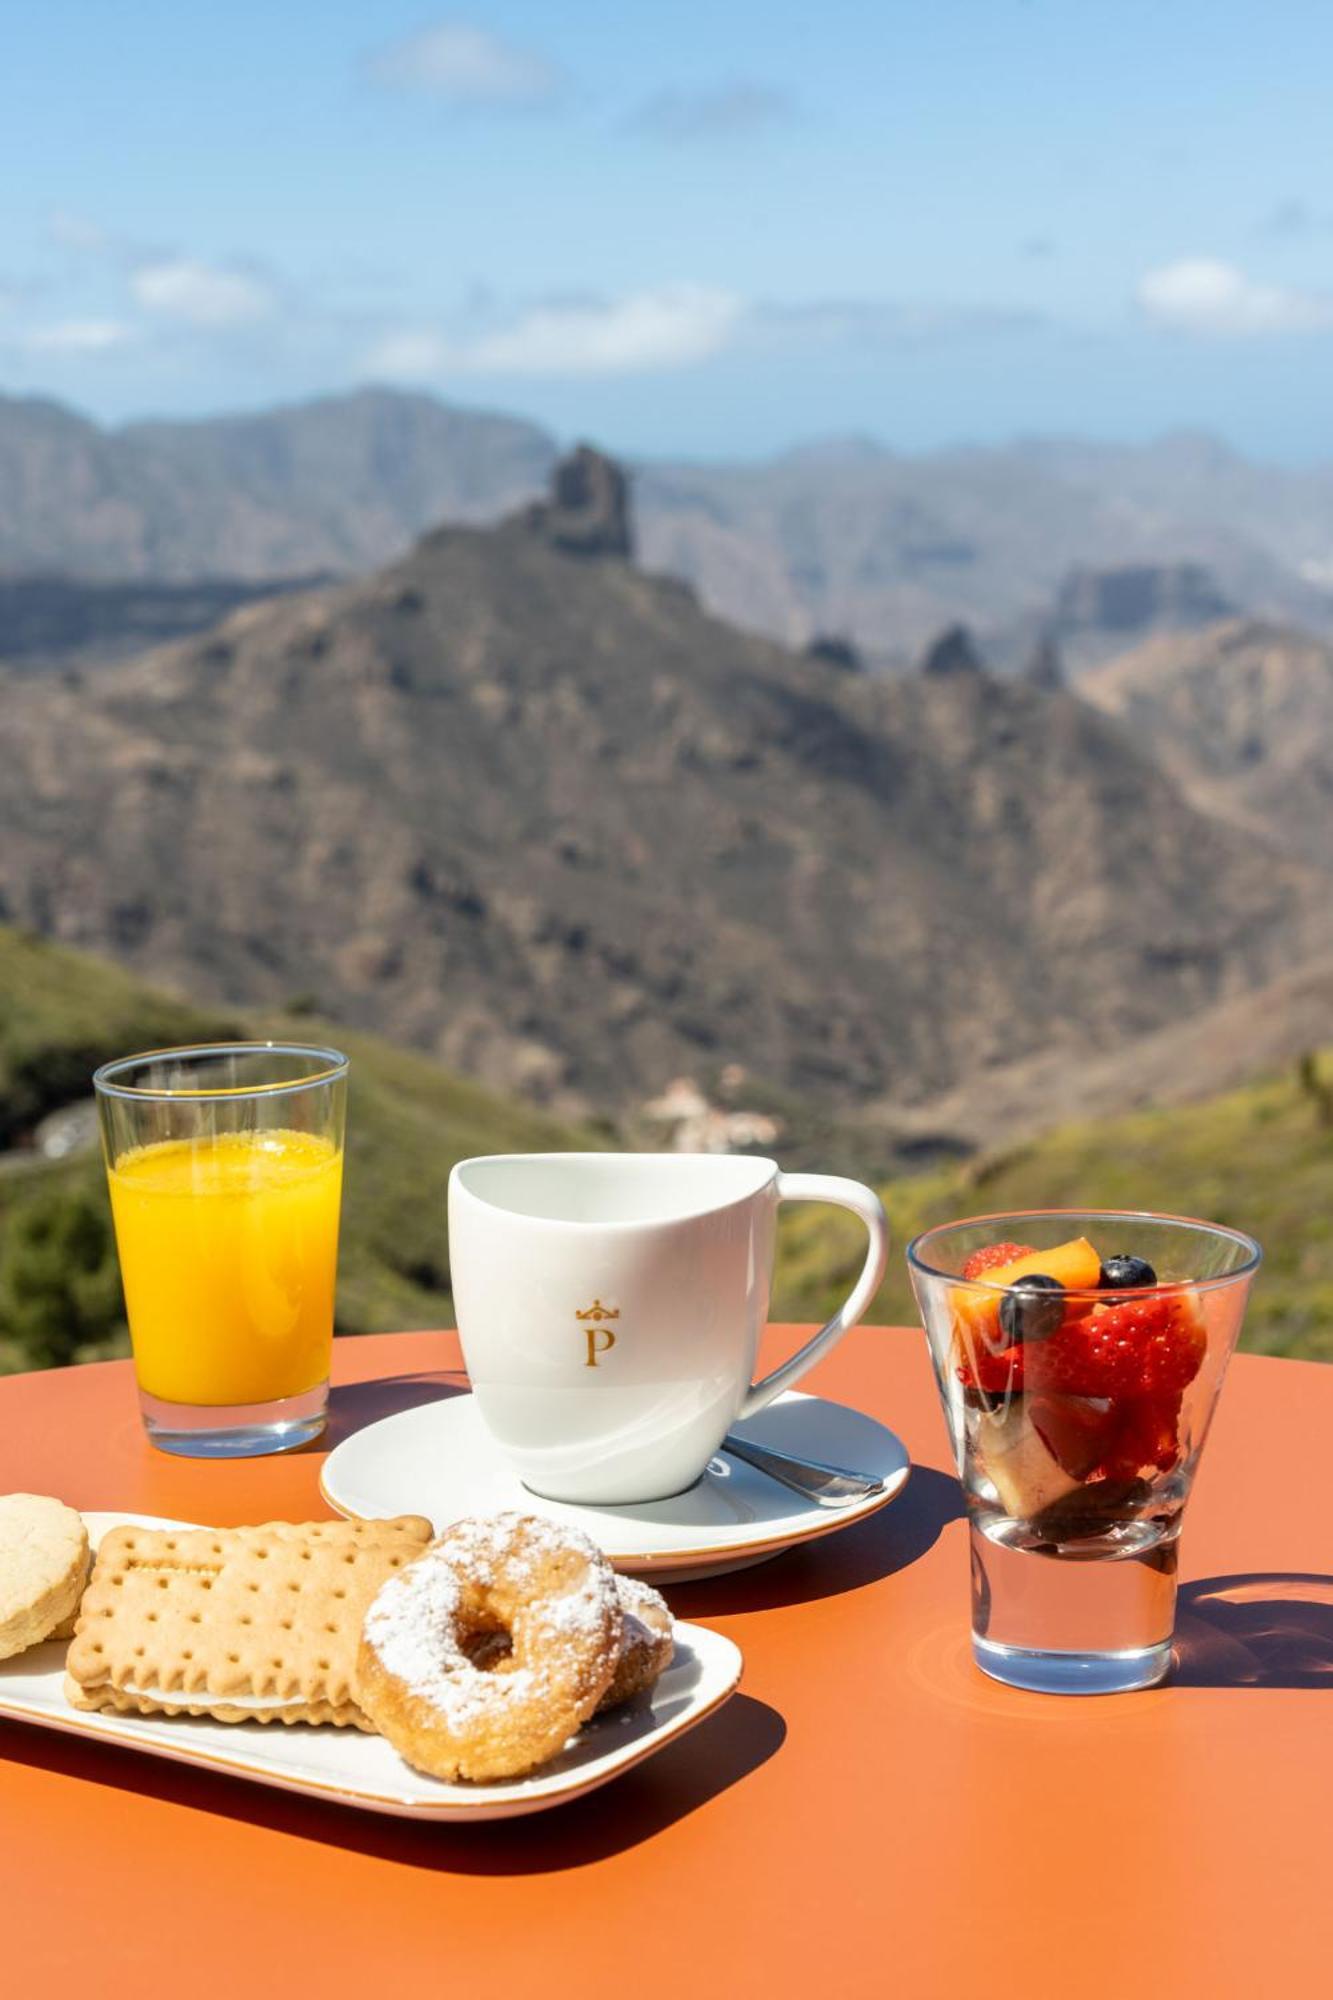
(830, 649)
(953, 652)
(1045, 666)
(588, 513)
(1134, 597)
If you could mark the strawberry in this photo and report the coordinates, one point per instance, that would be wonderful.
(1146, 1346)
(1078, 1433)
(993, 1255)
(1147, 1438)
(998, 1373)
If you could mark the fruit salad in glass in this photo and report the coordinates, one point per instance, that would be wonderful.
(1078, 1359)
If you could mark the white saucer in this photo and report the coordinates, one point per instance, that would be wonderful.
(438, 1459)
(353, 1769)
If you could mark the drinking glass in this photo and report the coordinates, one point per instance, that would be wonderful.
(1075, 1472)
(225, 1169)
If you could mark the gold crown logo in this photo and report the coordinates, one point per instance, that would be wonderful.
(598, 1312)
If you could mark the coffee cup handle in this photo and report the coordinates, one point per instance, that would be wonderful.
(861, 1201)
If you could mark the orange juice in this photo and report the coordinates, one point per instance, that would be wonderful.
(228, 1252)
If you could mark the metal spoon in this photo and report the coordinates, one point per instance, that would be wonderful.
(826, 1485)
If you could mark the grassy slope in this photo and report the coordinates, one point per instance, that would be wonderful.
(408, 1120)
(1257, 1158)
(61, 1014)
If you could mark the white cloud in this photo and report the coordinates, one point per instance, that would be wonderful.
(202, 295)
(667, 328)
(169, 283)
(670, 327)
(730, 111)
(78, 336)
(467, 66)
(1204, 295)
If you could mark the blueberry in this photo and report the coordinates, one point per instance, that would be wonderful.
(1130, 1271)
(1032, 1308)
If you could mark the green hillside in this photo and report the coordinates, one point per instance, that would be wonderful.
(1260, 1159)
(62, 1013)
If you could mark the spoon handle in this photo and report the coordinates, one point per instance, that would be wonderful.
(827, 1485)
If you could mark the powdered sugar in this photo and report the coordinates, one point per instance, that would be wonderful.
(419, 1621)
(646, 1615)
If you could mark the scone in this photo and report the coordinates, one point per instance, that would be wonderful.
(43, 1569)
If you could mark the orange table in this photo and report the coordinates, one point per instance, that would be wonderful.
(869, 1815)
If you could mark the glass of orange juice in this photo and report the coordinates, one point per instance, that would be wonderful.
(225, 1168)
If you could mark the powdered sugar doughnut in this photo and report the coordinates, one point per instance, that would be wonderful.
(646, 1642)
(435, 1675)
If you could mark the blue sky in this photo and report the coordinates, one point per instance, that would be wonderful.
(710, 230)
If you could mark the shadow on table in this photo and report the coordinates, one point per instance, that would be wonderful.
(353, 1405)
(1262, 1630)
(710, 1760)
(831, 1565)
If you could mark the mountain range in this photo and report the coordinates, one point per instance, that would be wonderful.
(886, 549)
(338, 485)
(516, 802)
(843, 538)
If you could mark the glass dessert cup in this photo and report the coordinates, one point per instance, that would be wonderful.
(1078, 1401)
(224, 1165)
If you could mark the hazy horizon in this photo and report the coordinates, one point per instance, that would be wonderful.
(812, 442)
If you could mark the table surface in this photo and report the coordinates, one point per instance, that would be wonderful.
(869, 1813)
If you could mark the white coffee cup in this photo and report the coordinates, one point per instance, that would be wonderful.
(610, 1307)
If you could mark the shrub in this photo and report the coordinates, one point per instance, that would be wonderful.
(61, 1284)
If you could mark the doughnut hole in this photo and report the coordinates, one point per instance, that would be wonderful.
(489, 1648)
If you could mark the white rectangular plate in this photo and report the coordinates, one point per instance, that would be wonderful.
(359, 1770)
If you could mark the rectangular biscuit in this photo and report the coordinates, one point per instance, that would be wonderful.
(349, 1716)
(243, 1624)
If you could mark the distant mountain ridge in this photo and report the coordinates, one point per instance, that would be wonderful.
(840, 537)
(340, 484)
(1241, 714)
(518, 803)
(1098, 613)
(60, 620)
(886, 550)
